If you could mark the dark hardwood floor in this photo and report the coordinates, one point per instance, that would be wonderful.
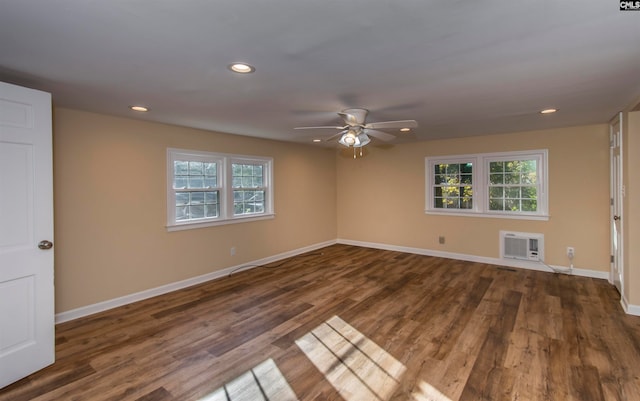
(350, 323)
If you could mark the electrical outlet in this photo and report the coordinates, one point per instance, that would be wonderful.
(441, 240)
(571, 253)
(233, 251)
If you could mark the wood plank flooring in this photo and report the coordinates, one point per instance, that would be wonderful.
(351, 323)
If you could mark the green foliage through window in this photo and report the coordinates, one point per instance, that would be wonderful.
(453, 186)
(513, 186)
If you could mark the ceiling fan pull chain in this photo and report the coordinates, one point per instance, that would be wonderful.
(354, 153)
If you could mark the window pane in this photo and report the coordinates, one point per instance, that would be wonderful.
(248, 202)
(529, 193)
(496, 179)
(529, 205)
(512, 193)
(452, 203)
(452, 179)
(197, 198)
(196, 168)
(196, 212)
(453, 169)
(529, 178)
(512, 178)
(452, 191)
(211, 197)
(496, 167)
(453, 186)
(196, 182)
(529, 166)
(512, 166)
(182, 213)
(496, 204)
(182, 198)
(210, 169)
(212, 210)
(180, 182)
(180, 168)
(210, 182)
(496, 192)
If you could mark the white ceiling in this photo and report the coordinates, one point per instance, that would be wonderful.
(459, 68)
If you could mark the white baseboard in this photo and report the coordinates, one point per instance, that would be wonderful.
(523, 264)
(628, 308)
(139, 296)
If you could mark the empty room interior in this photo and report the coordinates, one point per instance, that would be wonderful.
(319, 200)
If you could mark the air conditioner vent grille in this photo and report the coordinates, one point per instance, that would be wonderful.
(523, 246)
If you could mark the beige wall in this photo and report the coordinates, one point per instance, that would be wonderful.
(110, 200)
(381, 197)
(631, 207)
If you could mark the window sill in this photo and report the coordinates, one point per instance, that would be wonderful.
(213, 223)
(539, 217)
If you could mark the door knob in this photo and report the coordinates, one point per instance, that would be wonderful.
(45, 244)
(616, 218)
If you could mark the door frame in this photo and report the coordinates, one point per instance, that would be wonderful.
(617, 193)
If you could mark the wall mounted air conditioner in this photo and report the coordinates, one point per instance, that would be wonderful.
(522, 246)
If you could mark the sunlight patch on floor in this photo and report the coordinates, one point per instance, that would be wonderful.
(264, 382)
(426, 392)
(354, 365)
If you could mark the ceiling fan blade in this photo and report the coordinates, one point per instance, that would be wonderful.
(353, 117)
(380, 135)
(393, 124)
(336, 135)
(321, 127)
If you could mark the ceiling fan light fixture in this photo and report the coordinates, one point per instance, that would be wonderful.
(362, 140)
(349, 139)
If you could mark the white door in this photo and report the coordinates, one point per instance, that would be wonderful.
(617, 192)
(27, 331)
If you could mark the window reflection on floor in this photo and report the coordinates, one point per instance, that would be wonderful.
(264, 382)
(426, 392)
(354, 365)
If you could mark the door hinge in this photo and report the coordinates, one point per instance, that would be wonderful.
(612, 259)
(611, 201)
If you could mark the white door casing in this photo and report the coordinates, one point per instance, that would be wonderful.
(27, 327)
(617, 194)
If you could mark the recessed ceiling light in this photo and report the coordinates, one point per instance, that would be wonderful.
(405, 129)
(241, 68)
(548, 111)
(317, 140)
(141, 109)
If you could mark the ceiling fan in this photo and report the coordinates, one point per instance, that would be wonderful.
(355, 133)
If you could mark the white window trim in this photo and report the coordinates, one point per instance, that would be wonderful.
(481, 184)
(224, 162)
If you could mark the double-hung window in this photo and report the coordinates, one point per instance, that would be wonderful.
(508, 184)
(206, 188)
